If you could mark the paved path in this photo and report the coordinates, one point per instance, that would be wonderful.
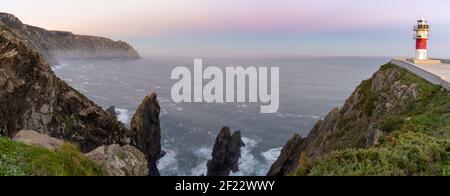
(438, 74)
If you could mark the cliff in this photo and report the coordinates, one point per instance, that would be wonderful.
(33, 98)
(58, 45)
(393, 124)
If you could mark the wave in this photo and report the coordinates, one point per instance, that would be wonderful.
(168, 165)
(286, 115)
(60, 66)
(203, 154)
(123, 115)
(272, 155)
(248, 164)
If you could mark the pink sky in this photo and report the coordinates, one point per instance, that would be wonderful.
(155, 19)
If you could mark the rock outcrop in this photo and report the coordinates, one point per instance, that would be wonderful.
(55, 45)
(146, 129)
(36, 139)
(289, 158)
(120, 161)
(112, 111)
(33, 98)
(115, 160)
(226, 153)
(357, 124)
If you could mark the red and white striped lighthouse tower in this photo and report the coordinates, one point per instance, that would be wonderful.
(421, 36)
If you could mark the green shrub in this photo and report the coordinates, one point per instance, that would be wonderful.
(409, 154)
(392, 123)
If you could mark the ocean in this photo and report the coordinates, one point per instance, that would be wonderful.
(309, 89)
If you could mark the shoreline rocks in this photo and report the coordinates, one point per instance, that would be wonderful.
(146, 130)
(289, 158)
(120, 160)
(226, 153)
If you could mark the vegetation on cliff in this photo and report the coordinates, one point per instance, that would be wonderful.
(414, 139)
(18, 159)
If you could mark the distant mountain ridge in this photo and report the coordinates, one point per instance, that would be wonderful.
(60, 45)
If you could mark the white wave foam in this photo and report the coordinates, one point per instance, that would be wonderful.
(248, 164)
(123, 115)
(309, 116)
(179, 109)
(272, 155)
(204, 154)
(286, 115)
(168, 163)
(57, 67)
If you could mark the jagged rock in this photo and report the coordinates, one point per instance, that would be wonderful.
(54, 45)
(33, 98)
(120, 161)
(36, 139)
(226, 153)
(112, 111)
(373, 137)
(146, 129)
(289, 158)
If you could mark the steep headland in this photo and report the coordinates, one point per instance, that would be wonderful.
(57, 45)
(393, 124)
(32, 97)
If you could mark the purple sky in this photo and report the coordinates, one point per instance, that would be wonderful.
(248, 27)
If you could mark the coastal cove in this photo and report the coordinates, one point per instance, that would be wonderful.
(307, 92)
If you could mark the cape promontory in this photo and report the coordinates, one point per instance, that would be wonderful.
(60, 45)
(395, 123)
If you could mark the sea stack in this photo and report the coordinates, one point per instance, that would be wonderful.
(146, 129)
(226, 153)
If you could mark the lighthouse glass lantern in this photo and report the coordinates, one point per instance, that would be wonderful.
(421, 36)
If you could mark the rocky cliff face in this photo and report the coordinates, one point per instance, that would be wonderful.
(54, 45)
(33, 98)
(146, 129)
(389, 101)
(289, 158)
(226, 153)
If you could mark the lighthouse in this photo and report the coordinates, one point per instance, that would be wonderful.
(421, 36)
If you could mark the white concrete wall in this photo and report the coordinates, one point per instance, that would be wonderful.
(428, 76)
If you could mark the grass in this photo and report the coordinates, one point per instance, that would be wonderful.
(415, 140)
(18, 159)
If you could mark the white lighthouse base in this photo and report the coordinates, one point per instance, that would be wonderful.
(421, 54)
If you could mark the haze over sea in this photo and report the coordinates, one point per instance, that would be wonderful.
(309, 89)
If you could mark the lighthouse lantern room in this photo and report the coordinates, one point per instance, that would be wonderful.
(421, 36)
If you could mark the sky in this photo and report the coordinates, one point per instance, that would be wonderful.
(248, 27)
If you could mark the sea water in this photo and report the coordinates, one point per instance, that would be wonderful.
(309, 89)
